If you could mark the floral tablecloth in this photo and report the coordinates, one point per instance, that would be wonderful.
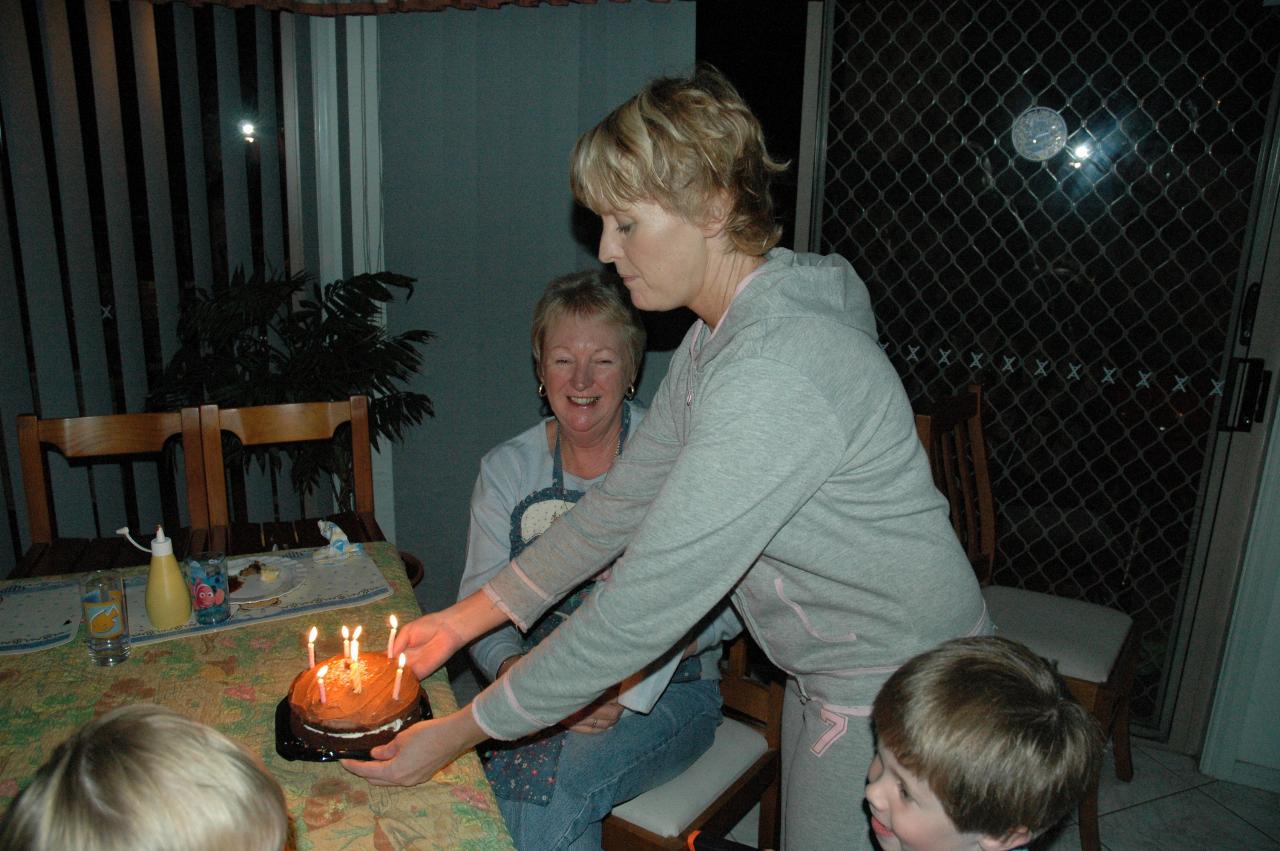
(233, 680)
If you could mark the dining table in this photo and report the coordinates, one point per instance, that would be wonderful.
(233, 676)
(66, 555)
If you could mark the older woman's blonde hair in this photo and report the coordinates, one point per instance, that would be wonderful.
(596, 293)
(689, 145)
(144, 778)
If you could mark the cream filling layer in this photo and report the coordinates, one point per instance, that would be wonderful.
(394, 725)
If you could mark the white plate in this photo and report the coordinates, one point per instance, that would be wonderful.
(254, 589)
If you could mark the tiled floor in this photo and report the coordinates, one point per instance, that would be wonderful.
(1168, 806)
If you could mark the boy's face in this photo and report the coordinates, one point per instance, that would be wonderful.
(907, 816)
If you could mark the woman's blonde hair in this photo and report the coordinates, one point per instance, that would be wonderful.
(593, 293)
(688, 145)
(144, 778)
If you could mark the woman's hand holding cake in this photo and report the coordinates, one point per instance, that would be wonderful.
(418, 752)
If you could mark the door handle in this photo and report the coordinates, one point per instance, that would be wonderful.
(1247, 390)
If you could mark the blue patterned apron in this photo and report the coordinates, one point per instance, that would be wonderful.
(525, 770)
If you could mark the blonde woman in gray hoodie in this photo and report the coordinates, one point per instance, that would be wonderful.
(778, 467)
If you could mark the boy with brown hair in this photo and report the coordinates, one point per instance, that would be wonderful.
(979, 745)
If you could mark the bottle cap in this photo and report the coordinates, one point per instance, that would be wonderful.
(160, 545)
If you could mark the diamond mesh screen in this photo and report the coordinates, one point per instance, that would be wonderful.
(1090, 292)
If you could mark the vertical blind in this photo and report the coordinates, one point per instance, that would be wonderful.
(377, 7)
(127, 181)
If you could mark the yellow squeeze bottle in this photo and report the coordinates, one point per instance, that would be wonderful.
(168, 601)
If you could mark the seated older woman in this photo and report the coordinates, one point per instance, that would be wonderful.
(554, 789)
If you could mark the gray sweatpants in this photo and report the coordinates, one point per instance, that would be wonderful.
(822, 792)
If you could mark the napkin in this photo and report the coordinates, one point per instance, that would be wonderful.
(339, 547)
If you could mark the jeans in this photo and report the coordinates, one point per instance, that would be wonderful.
(597, 771)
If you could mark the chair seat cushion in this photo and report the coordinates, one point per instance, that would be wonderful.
(1084, 639)
(668, 809)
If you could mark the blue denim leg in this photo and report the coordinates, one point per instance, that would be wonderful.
(598, 771)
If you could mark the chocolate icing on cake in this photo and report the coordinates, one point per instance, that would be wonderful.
(347, 721)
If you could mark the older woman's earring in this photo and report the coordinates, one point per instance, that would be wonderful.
(542, 390)
(631, 392)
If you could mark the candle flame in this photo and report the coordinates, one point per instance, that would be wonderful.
(324, 669)
(356, 634)
(346, 633)
(401, 660)
(311, 636)
(394, 622)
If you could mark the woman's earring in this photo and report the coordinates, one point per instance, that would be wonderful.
(542, 390)
(631, 392)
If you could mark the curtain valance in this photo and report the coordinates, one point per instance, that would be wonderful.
(380, 7)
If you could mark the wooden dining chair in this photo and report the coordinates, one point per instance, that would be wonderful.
(109, 438)
(1094, 647)
(290, 423)
(741, 768)
(264, 425)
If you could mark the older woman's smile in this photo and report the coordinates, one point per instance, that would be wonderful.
(584, 370)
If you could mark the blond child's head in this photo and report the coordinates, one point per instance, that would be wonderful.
(979, 745)
(143, 777)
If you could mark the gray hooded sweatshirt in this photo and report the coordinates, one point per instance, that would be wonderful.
(779, 465)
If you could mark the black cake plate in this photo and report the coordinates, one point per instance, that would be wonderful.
(291, 747)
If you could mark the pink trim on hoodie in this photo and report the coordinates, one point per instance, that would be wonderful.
(506, 610)
(475, 716)
(510, 695)
(804, 619)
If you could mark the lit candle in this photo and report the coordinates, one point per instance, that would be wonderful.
(320, 680)
(355, 652)
(355, 669)
(346, 641)
(391, 639)
(395, 691)
(311, 648)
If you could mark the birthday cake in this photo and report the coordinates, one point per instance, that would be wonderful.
(347, 719)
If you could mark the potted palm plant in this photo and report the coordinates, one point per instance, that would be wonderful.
(278, 340)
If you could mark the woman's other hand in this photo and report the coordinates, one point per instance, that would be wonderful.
(430, 640)
(596, 717)
(418, 752)
(593, 718)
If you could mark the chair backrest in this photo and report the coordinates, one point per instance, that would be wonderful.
(112, 435)
(951, 431)
(291, 423)
(752, 689)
